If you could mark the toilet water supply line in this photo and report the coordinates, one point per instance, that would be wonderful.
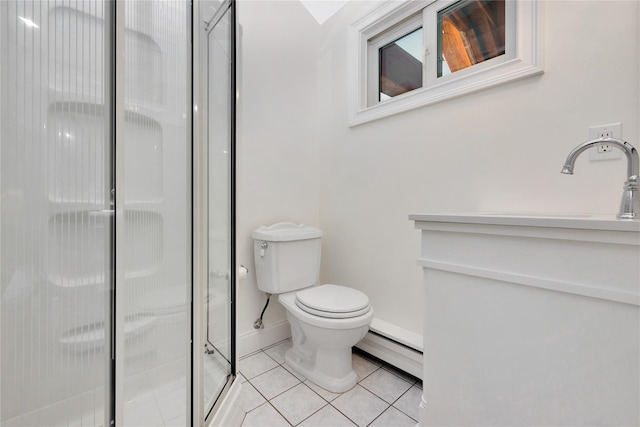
(258, 323)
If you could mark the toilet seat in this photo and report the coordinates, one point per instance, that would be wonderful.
(333, 302)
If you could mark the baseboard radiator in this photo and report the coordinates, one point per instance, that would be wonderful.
(396, 346)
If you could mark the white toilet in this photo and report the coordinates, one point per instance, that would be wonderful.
(327, 320)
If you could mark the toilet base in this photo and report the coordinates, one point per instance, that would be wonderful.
(308, 368)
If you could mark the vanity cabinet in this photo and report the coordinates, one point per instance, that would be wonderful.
(530, 320)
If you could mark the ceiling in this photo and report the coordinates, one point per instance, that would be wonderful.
(322, 10)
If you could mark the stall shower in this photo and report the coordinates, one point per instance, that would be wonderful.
(96, 208)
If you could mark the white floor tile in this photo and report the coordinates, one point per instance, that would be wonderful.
(275, 395)
(169, 387)
(294, 373)
(393, 418)
(298, 403)
(362, 366)
(277, 351)
(360, 405)
(172, 404)
(31, 419)
(169, 373)
(250, 398)
(385, 385)
(273, 382)
(325, 394)
(409, 403)
(138, 389)
(264, 416)
(327, 417)
(256, 364)
(140, 398)
(176, 422)
(96, 420)
(146, 414)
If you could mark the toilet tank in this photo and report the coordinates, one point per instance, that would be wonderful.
(287, 257)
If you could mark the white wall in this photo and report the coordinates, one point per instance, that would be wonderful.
(497, 150)
(278, 164)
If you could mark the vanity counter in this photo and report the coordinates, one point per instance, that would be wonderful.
(574, 221)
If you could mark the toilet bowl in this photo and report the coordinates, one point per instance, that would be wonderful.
(322, 345)
(326, 320)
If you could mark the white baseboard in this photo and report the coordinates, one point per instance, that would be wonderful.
(396, 346)
(251, 341)
(231, 411)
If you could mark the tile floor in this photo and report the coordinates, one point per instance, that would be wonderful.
(276, 396)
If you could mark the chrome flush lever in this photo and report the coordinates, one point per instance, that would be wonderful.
(263, 248)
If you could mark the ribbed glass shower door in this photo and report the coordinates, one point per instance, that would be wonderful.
(55, 214)
(153, 213)
(95, 213)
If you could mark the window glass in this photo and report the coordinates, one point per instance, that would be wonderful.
(400, 65)
(470, 32)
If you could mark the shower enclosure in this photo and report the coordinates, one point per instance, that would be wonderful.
(97, 254)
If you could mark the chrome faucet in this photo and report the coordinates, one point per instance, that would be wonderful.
(630, 204)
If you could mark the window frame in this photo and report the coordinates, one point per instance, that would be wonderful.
(522, 59)
(374, 45)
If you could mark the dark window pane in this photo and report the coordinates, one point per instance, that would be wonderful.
(401, 65)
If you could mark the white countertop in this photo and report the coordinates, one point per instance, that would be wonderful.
(532, 219)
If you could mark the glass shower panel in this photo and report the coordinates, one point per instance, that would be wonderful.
(55, 214)
(155, 238)
(219, 144)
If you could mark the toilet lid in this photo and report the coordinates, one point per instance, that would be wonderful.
(333, 301)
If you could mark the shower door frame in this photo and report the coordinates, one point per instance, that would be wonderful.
(203, 415)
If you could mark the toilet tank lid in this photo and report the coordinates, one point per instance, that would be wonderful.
(285, 231)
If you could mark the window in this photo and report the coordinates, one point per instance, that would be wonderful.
(396, 61)
(468, 33)
(469, 36)
(411, 53)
